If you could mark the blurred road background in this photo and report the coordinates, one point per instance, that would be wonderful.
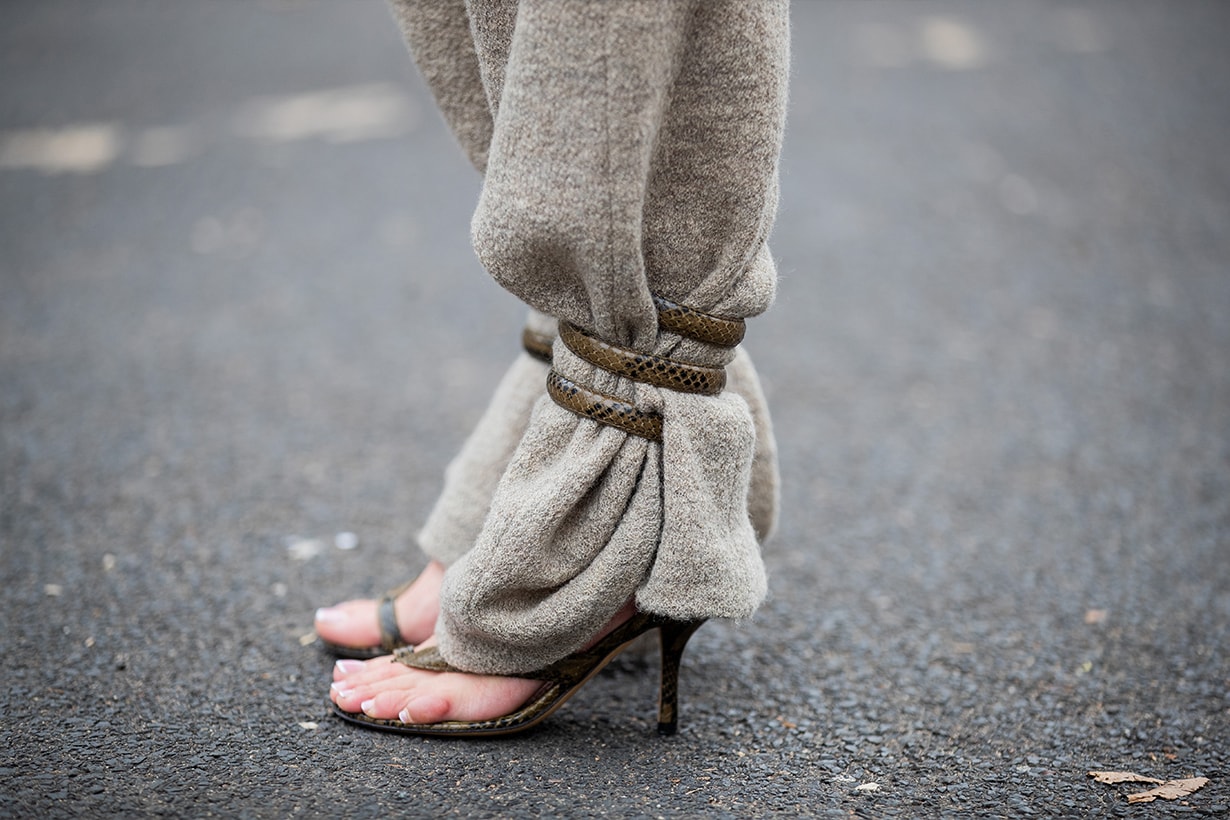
(239, 315)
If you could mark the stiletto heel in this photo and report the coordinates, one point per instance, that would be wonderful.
(674, 636)
(560, 681)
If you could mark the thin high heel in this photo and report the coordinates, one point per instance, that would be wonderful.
(560, 681)
(674, 637)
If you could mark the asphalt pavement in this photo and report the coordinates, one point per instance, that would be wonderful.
(239, 316)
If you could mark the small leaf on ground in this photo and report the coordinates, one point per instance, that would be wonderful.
(1122, 777)
(1170, 790)
(1167, 790)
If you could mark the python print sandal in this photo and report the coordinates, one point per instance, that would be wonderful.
(560, 681)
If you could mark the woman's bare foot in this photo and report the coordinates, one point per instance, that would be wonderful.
(381, 688)
(355, 623)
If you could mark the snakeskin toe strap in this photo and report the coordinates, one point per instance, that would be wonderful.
(428, 658)
(386, 616)
(390, 633)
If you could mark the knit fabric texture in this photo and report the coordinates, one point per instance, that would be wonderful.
(628, 148)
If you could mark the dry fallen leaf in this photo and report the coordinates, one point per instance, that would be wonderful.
(1112, 778)
(1170, 790)
(1167, 790)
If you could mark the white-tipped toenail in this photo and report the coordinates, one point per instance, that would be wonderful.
(346, 666)
(368, 705)
(330, 615)
(404, 716)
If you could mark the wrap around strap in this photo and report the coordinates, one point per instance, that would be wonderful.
(658, 371)
(536, 344)
(718, 331)
(603, 409)
(643, 367)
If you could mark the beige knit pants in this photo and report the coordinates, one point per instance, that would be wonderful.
(628, 147)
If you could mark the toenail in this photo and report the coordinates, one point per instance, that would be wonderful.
(404, 716)
(341, 692)
(348, 666)
(330, 615)
(368, 705)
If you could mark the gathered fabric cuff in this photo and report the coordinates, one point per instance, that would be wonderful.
(586, 517)
(453, 525)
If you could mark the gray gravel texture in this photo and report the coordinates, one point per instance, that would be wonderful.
(239, 313)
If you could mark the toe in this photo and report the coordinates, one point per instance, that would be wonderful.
(352, 623)
(388, 681)
(347, 699)
(425, 709)
(345, 667)
(376, 669)
(455, 696)
(387, 705)
(360, 699)
(356, 623)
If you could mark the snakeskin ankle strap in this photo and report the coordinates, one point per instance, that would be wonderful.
(719, 331)
(643, 367)
(536, 344)
(603, 409)
(646, 368)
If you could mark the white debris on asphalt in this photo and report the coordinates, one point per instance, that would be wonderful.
(53, 590)
(867, 787)
(307, 724)
(303, 549)
(346, 540)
